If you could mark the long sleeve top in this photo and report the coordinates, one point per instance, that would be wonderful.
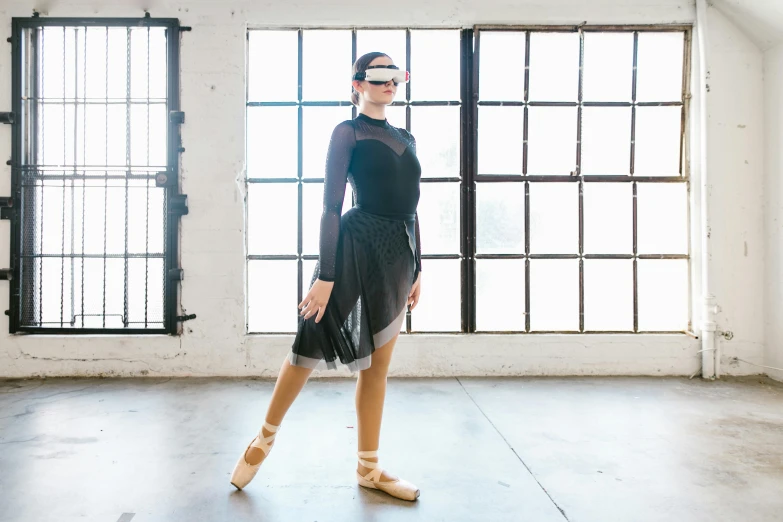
(380, 162)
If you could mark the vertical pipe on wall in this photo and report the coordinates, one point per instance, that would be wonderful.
(710, 359)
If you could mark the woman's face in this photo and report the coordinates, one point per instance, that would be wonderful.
(377, 94)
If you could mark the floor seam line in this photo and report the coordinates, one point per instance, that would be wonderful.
(562, 512)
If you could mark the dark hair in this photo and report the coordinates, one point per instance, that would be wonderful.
(360, 65)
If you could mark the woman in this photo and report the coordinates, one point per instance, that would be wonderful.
(368, 272)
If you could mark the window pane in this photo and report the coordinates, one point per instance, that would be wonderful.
(158, 130)
(500, 138)
(554, 294)
(662, 217)
(272, 134)
(439, 218)
(115, 219)
(500, 295)
(118, 62)
(391, 42)
(138, 63)
(500, 218)
(116, 135)
(271, 218)
(396, 117)
(308, 272)
(606, 140)
(440, 304)
(158, 63)
(145, 226)
(95, 211)
(658, 141)
(95, 134)
(272, 305)
(326, 65)
(554, 67)
(551, 140)
(92, 306)
(608, 294)
(608, 218)
(52, 279)
(429, 82)
(437, 133)
(663, 294)
(138, 134)
(273, 60)
(95, 43)
(318, 123)
(52, 43)
(312, 210)
(608, 67)
(554, 218)
(659, 66)
(145, 292)
(502, 66)
(148, 135)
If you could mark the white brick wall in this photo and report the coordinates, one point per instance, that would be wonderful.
(213, 63)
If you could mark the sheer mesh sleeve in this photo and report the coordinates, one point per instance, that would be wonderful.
(418, 234)
(418, 243)
(338, 160)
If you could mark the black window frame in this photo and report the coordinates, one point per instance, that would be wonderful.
(174, 204)
(469, 177)
(471, 173)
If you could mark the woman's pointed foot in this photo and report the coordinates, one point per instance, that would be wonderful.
(376, 478)
(255, 454)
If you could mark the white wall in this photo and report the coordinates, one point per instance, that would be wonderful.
(213, 56)
(773, 203)
(736, 172)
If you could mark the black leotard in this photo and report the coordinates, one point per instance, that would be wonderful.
(380, 162)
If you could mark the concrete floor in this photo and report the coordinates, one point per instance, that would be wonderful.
(540, 450)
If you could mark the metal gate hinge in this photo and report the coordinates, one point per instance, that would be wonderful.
(177, 117)
(176, 274)
(6, 274)
(7, 117)
(183, 318)
(6, 207)
(163, 179)
(178, 204)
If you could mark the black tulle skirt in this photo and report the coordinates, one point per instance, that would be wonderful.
(376, 269)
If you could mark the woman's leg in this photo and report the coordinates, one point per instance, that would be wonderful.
(370, 396)
(290, 382)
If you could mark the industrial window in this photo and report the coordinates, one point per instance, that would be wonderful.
(94, 175)
(554, 185)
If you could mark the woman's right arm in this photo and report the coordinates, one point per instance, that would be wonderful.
(338, 160)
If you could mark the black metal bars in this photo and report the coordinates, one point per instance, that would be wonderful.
(94, 97)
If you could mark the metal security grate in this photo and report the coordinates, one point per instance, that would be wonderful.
(94, 165)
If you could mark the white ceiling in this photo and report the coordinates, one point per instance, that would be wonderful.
(762, 20)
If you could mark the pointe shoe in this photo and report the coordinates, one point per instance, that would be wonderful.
(399, 488)
(244, 472)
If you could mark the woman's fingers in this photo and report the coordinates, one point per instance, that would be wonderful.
(309, 309)
(321, 311)
(414, 296)
(312, 308)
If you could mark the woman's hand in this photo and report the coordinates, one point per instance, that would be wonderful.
(316, 299)
(413, 298)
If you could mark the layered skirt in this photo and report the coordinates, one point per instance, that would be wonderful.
(375, 271)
